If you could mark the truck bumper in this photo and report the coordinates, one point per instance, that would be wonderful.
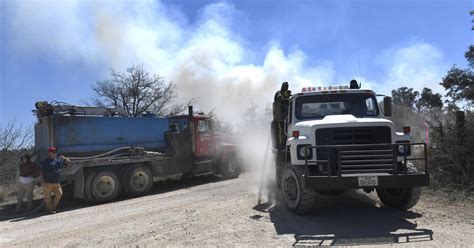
(352, 181)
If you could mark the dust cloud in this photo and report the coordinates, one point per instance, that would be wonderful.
(258, 159)
(204, 58)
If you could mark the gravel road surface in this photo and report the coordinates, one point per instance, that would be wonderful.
(211, 212)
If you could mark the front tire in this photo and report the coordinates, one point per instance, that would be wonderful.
(297, 198)
(231, 167)
(401, 198)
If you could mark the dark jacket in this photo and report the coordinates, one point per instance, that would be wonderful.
(282, 95)
(29, 170)
(52, 169)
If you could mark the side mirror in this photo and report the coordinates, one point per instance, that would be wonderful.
(387, 106)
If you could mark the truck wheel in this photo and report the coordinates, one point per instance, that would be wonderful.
(296, 197)
(402, 198)
(102, 186)
(231, 167)
(87, 191)
(137, 180)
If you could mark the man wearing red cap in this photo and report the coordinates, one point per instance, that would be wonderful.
(51, 170)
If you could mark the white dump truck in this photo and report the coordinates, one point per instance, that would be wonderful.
(330, 139)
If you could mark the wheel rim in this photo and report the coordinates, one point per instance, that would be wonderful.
(139, 181)
(105, 186)
(291, 189)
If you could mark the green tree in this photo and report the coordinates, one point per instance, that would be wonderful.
(404, 112)
(469, 55)
(404, 96)
(427, 100)
(459, 82)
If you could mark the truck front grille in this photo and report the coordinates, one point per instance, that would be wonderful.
(360, 158)
(353, 135)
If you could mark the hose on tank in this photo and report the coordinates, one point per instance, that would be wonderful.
(102, 155)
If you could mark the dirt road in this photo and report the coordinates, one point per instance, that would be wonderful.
(209, 212)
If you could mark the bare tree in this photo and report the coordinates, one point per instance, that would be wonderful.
(15, 139)
(137, 92)
(178, 108)
(219, 124)
(256, 118)
(14, 136)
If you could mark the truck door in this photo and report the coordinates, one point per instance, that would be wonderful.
(203, 139)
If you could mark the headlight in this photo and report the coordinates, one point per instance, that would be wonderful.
(301, 152)
(401, 149)
(404, 149)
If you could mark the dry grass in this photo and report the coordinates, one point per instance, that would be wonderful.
(7, 193)
(450, 196)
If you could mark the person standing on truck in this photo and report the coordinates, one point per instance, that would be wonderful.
(29, 172)
(281, 98)
(283, 93)
(353, 84)
(51, 169)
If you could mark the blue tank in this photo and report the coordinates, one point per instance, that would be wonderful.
(86, 135)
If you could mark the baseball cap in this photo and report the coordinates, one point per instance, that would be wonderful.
(52, 149)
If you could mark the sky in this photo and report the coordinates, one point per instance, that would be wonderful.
(225, 54)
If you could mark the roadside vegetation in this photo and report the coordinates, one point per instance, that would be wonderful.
(446, 126)
(15, 140)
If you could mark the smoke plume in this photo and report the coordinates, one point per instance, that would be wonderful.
(207, 60)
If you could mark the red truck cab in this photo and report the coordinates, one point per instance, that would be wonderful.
(208, 145)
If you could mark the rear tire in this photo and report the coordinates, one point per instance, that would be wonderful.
(231, 167)
(297, 198)
(102, 186)
(137, 180)
(87, 191)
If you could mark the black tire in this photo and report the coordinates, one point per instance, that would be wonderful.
(87, 190)
(231, 167)
(125, 173)
(102, 186)
(137, 180)
(296, 197)
(401, 198)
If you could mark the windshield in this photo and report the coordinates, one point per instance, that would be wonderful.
(318, 106)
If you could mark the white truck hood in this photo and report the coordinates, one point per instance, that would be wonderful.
(340, 120)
